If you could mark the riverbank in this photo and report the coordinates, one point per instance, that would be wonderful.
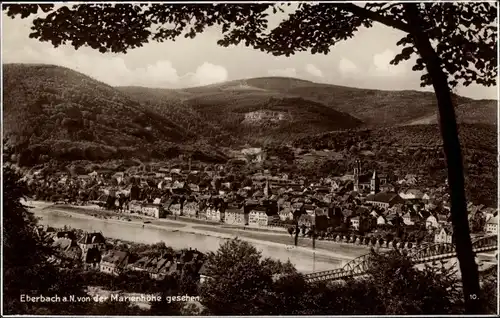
(99, 212)
(326, 250)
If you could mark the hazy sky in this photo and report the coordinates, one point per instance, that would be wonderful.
(362, 61)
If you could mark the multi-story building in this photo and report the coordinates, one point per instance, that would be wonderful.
(491, 225)
(213, 214)
(236, 216)
(431, 222)
(445, 235)
(114, 262)
(176, 209)
(261, 216)
(190, 209)
(153, 210)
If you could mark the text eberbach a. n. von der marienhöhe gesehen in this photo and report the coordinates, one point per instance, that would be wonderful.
(111, 297)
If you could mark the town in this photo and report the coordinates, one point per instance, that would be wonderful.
(359, 207)
(92, 251)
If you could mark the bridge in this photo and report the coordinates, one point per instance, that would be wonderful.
(425, 254)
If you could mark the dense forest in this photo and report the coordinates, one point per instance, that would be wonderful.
(52, 112)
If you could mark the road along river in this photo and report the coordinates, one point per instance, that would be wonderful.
(181, 237)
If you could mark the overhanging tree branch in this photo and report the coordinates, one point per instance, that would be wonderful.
(365, 13)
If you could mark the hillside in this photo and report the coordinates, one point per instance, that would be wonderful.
(55, 112)
(172, 104)
(265, 109)
(373, 107)
(247, 113)
(469, 111)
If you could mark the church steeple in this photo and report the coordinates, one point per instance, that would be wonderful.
(357, 167)
(357, 173)
(374, 183)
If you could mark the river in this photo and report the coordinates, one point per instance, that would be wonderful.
(305, 262)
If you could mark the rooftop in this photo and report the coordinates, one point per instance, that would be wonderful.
(385, 197)
(92, 238)
(115, 257)
(493, 220)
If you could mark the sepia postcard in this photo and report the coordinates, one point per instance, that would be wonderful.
(249, 158)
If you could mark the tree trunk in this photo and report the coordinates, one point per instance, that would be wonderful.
(451, 145)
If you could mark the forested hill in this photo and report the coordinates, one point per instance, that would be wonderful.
(55, 112)
(247, 114)
(374, 107)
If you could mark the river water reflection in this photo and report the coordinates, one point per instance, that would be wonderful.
(303, 261)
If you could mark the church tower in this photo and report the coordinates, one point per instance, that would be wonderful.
(267, 189)
(357, 172)
(374, 183)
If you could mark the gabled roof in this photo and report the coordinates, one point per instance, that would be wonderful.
(251, 202)
(424, 213)
(161, 264)
(259, 208)
(391, 217)
(234, 210)
(115, 257)
(64, 243)
(258, 193)
(493, 220)
(92, 238)
(385, 197)
(67, 234)
(398, 206)
(448, 230)
(306, 218)
(143, 262)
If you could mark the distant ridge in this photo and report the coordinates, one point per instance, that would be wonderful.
(53, 110)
